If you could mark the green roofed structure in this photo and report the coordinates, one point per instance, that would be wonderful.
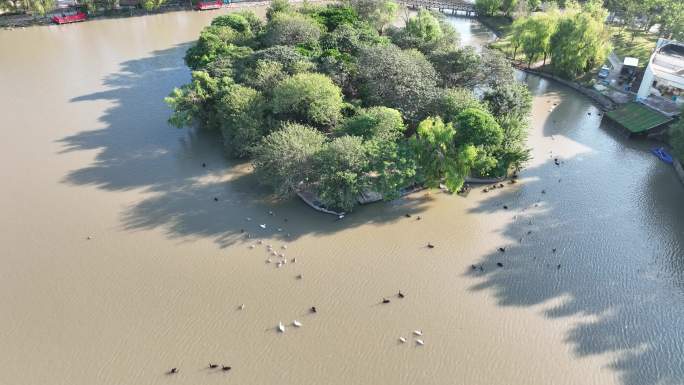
(637, 118)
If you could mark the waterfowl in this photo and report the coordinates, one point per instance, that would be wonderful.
(485, 190)
(407, 215)
(172, 371)
(313, 309)
(262, 226)
(212, 366)
(241, 307)
(418, 218)
(481, 268)
(553, 250)
(402, 339)
(294, 260)
(502, 249)
(283, 247)
(297, 323)
(340, 217)
(204, 165)
(385, 300)
(268, 260)
(251, 246)
(499, 264)
(505, 207)
(420, 342)
(281, 327)
(215, 199)
(226, 368)
(418, 332)
(400, 294)
(558, 267)
(299, 276)
(270, 213)
(430, 246)
(543, 191)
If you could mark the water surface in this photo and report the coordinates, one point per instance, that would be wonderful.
(87, 153)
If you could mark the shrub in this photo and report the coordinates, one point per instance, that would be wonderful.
(284, 158)
(308, 98)
(292, 29)
(382, 123)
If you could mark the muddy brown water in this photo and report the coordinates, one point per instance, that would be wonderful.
(86, 152)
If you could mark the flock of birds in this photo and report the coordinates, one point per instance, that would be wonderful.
(281, 260)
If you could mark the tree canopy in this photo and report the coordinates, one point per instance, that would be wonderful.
(328, 99)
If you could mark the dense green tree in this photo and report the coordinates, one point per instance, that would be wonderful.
(342, 167)
(308, 98)
(334, 15)
(459, 68)
(536, 36)
(378, 13)
(242, 112)
(438, 158)
(511, 100)
(277, 6)
(453, 101)
(215, 42)
(404, 80)
(427, 32)
(580, 42)
(284, 159)
(478, 127)
(195, 101)
(381, 123)
(488, 7)
(292, 29)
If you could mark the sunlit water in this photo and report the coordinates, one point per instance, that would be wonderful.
(86, 152)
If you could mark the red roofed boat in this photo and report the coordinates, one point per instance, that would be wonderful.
(204, 5)
(70, 16)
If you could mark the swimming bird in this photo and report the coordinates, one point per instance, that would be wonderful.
(270, 213)
(473, 267)
(499, 264)
(400, 294)
(502, 249)
(226, 368)
(281, 327)
(241, 307)
(294, 260)
(420, 342)
(402, 339)
(297, 323)
(172, 371)
(299, 276)
(212, 366)
(553, 250)
(215, 199)
(313, 309)
(262, 226)
(430, 246)
(385, 300)
(558, 267)
(418, 218)
(407, 215)
(204, 165)
(418, 332)
(283, 247)
(505, 207)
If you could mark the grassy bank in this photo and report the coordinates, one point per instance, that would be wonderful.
(634, 43)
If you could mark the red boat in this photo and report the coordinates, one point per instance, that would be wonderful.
(204, 5)
(71, 16)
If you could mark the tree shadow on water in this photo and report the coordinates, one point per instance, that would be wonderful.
(139, 151)
(618, 263)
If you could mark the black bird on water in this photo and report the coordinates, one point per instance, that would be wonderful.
(212, 366)
(558, 267)
(553, 250)
(499, 264)
(204, 165)
(172, 371)
(313, 309)
(502, 249)
(215, 199)
(430, 246)
(407, 215)
(385, 300)
(226, 368)
(400, 294)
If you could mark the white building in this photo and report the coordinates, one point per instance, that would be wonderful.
(664, 75)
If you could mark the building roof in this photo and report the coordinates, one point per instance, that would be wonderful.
(637, 118)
